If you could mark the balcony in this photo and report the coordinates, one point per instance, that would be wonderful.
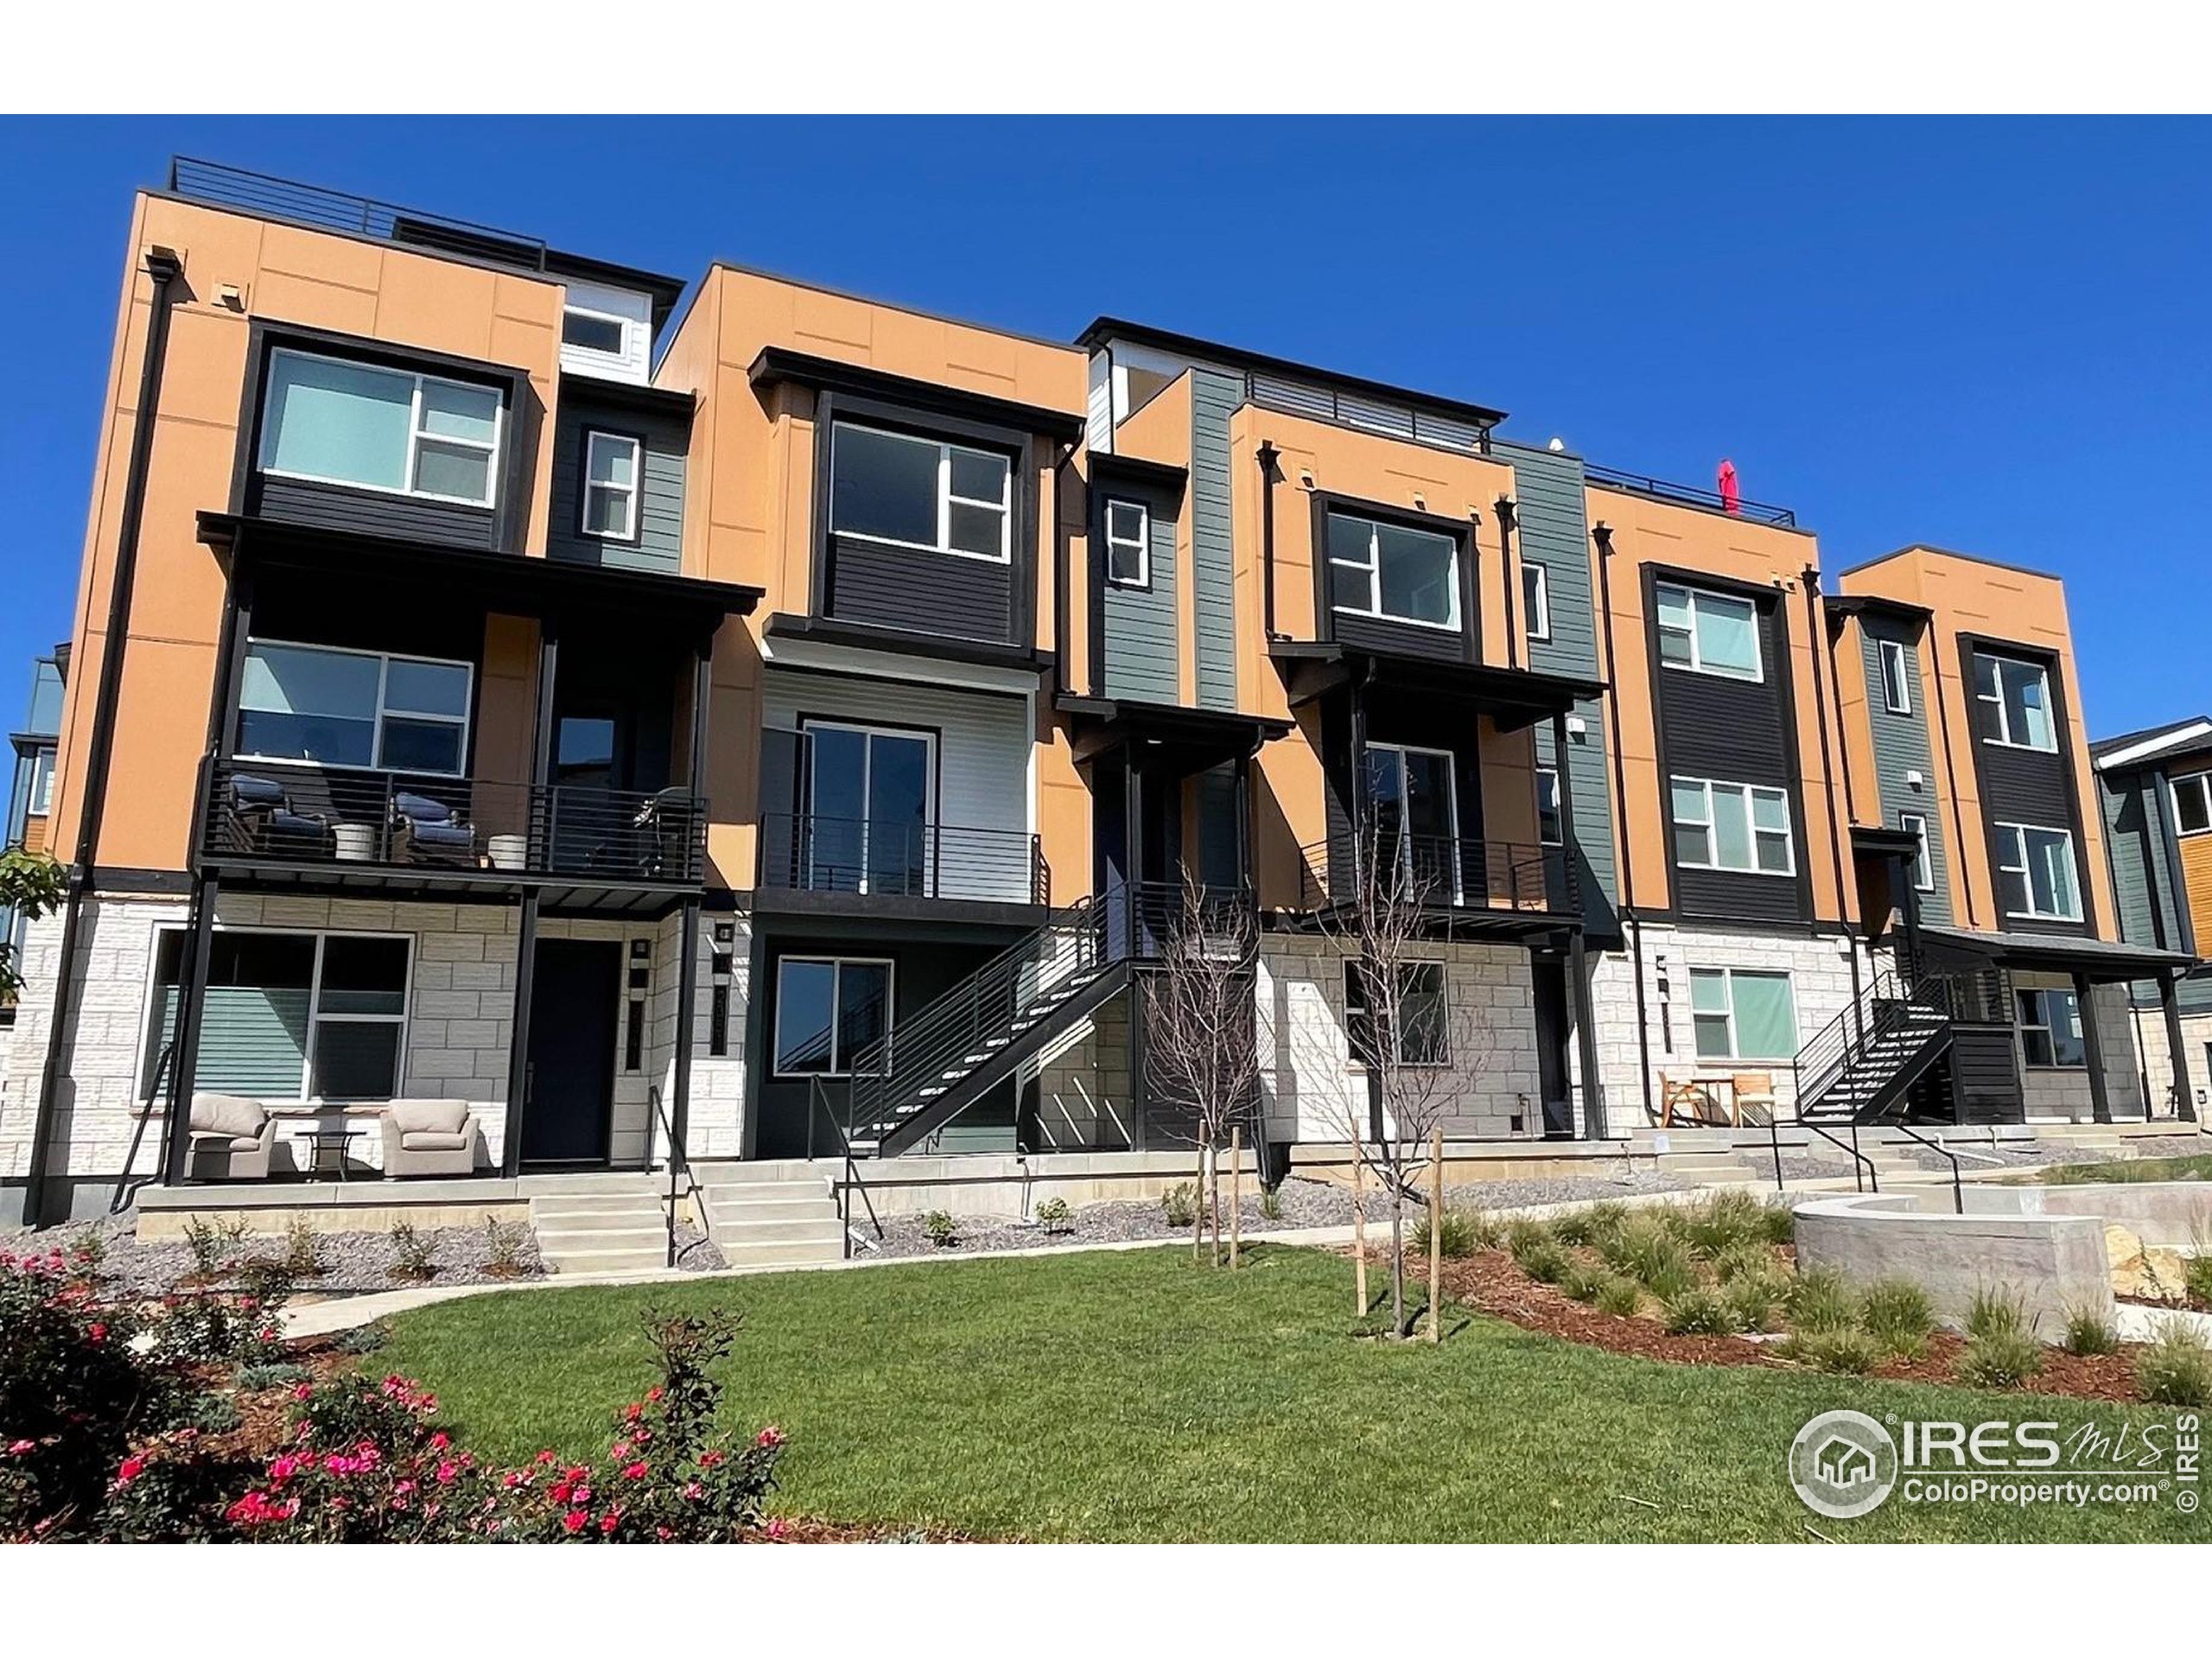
(804, 852)
(1438, 874)
(1688, 495)
(325, 826)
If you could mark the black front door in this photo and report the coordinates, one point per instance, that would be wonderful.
(1553, 1025)
(567, 1111)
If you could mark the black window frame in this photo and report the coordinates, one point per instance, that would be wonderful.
(1534, 598)
(2035, 1018)
(1359, 1030)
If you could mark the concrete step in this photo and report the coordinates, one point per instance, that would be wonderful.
(598, 1231)
(722, 1191)
(782, 1253)
(815, 1231)
(770, 1209)
(597, 1221)
(631, 1261)
(588, 1204)
(557, 1240)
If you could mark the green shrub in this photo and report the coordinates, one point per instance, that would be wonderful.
(303, 1249)
(252, 1379)
(210, 1245)
(1054, 1216)
(1574, 1228)
(2000, 1358)
(1723, 1219)
(1778, 1223)
(2088, 1331)
(1582, 1282)
(1996, 1314)
(1821, 1300)
(1838, 1349)
(2196, 1279)
(1545, 1260)
(1526, 1232)
(364, 1339)
(410, 1251)
(1897, 1314)
(1745, 1258)
(503, 1243)
(1271, 1203)
(1486, 1229)
(2176, 1370)
(1180, 1204)
(1754, 1298)
(1606, 1218)
(940, 1229)
(1698, 1312)
(212, 1414)
(1648, 1250)
(1455, 1234)
(1620, 1295)
(88, 1254)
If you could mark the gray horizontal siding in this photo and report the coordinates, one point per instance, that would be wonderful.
(371, 512)
(660, 535)
(1902, 745)
(923, 593)
(1142, 653)
(1214, 398)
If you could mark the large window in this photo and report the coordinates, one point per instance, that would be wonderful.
(1740, 1014)
(1724, 826)
(2050, 1028)
(828, 1009)
(1896, 677)
(1923, 865)
(942, 498)
(2192, 803)
(1536, 600)
(870, 791)
(1708, 633)
(1394, 573)
(2035, 873)
(290, 1016)
(354, 708)
(1421, 1033)
(1129, 544)
(42, 794)
(380, 429)
(1414, 811)
(610, 486)
(2015, 698)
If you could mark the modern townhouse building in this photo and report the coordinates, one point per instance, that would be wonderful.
(537, 722)
(30, 795)
(2154, 794)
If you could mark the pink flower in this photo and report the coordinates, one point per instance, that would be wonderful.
(561, 1490)
(663, 1534)
(619, 1451)
(510, 1481)
(583, 1495)
(574, 1520)
(282, 1468)
(694, 1491)
(131, 1470)
(777, 1530)
(16, 1448)
(447, 1471)
(301, 1391)
(607, 1522)
(634, 1472)
(769, 1438)
(633, 1414)
(97, 1333)
(440, 1441)
(709, 1459)
(654, 1393)
(546, 1456)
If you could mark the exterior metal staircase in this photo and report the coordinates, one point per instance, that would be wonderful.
(1861, 1068)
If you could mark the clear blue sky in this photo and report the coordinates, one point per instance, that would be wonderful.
(1986, 335)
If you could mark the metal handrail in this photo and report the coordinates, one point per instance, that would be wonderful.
(1958, 1190)
(818, 1101)
(1458, 872)
(1689, 495)
(677, 1157)
(265, 194)
(163, 1063)
(808, 852)
(1828, 1058)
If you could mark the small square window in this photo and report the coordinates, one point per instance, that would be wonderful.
(612, 461)
(1128, 544)
(2193, 803)
(1422, 1035)
(592, 331)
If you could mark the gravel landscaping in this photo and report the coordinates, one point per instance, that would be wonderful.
(1300, 1203)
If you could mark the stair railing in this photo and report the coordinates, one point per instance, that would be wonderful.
(817, 1105)
(125, 1191)
(679, 1162)
(1958, 1190)
(1828, 1060)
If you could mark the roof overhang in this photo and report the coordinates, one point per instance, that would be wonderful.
(1514, 698)
(1193, 738)
(2102, 962)
(2191, 737)
(777, 364)
(1868, 841)
(790, 626)
(1136, 469)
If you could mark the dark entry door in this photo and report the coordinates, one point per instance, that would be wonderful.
(567, 1112)
(1552, 1023)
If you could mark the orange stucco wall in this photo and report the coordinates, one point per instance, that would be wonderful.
(281, 273)
(1651, 532)
(1971, 596)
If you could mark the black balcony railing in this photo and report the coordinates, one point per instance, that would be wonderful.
(1437, 872)
(1688, 495)
(802, 852)
(312, 815)
(337, 210)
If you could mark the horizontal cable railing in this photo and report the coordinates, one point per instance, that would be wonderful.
(804, 852)
(1689, 495)
(1437, 872)
(316, 815)
(339, 210)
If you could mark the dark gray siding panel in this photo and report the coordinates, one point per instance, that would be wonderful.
(1737, 896)
(2025, 787)
(1379, 634)
(1556, 533)
(371, 512)
(923, 593)
(660, 536)
(2135, 837)
(1902, 745)
(1142, 658)
(1214, 398)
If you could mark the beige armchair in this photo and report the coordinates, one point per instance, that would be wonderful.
(232, 1137)
(428, 1137)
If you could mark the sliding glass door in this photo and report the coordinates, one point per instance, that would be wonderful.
(1413, 817)
(870, 818)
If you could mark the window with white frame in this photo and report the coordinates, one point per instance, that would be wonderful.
(1725, 826)
(612, 463)
(1742, 1013)
(2015, 699)
(1421, 1031)
(338, 422)
(1705, 632)
(918, 493)
(2050, 1028)
(829, 1009)
(1547, 824)
(1536, 600)
(1924, 863)
(339, 708)
(1129, 544)
(2035, 873)
(2192, 803)
(290, 1016)
(595, 331)
(1896, 677)
(41, 792)
(1392, 572)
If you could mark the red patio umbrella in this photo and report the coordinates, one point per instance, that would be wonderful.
(1731, 496)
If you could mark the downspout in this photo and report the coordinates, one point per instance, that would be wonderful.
(164, 267)
(1268, 455)
(1814, 628)
(1951, 776)
(1602, 534)
(1507, 523)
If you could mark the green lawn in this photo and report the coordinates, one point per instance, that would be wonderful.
(1134, 1396)
(2197, 1168)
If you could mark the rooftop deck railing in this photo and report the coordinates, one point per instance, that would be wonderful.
(340, 210)
(1688, 495)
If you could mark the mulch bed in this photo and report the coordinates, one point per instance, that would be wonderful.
(1490, 1282)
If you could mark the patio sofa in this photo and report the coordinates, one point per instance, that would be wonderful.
(428, 1137)
(232, 1137)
